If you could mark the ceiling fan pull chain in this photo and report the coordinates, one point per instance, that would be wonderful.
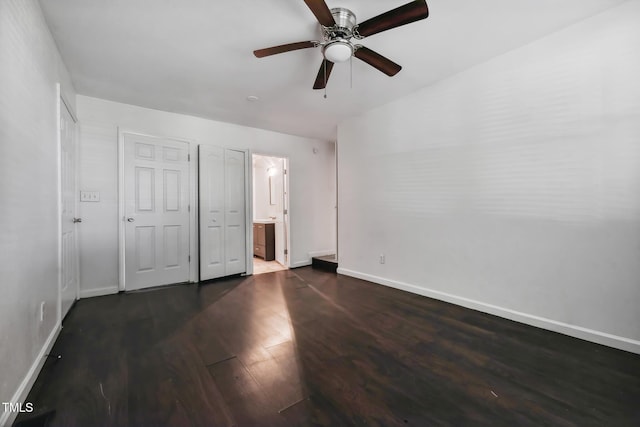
(324, 63)
(351, 71)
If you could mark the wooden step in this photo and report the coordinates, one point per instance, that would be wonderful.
(326, 263)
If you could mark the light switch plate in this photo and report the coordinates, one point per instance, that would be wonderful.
(89, 196)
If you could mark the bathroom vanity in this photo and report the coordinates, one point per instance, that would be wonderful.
(264, 240)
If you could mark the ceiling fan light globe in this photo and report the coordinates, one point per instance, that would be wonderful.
(338, 51)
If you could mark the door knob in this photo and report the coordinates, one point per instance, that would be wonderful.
(130, 219)
(75, 220)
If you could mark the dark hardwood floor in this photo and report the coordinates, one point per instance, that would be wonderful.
(310, 348)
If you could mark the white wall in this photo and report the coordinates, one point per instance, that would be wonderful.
(312, 191)
(512, 187)
(30, 67)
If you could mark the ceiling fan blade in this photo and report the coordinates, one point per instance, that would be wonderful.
(322, 12)
(378, 61)
(406, 14)
(322, 78)
(261, 53)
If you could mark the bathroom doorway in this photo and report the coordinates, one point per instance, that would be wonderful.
(270, 214)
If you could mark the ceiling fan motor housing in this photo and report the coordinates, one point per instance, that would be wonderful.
(337, 47)
(345, 21)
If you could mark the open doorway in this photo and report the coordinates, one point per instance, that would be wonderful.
(270, 214)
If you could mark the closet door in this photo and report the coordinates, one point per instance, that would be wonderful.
(235, 222)
(222, 212)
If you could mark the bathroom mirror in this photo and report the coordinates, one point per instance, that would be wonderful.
(272, 191)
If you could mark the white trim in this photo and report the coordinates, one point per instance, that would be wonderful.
(197, 258)
(89, 293)
(302, 263)
(67, 104)
(194, 224)
(248, 210)
(286, 202)
(121, 229)
(58, 202)
(7, 418)
(587, 334)
(309, 261)
(337, 208)
(322, 253)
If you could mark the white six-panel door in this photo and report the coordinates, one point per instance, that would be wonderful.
(69, 249)
(156, 211)
(222, 212)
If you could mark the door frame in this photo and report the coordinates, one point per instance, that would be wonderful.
(248, 211)
(193, 203)
(63, 102)
(287, 185)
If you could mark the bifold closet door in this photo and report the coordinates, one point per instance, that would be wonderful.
(235, 236)
(222, 212)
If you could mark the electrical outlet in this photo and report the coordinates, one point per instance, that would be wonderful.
(382, 259)
(89, 196)
(42, 311)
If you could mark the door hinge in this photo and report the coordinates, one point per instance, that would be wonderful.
(188, 157)
(189, 258)
(285, 212)
(284, 172)
(286, 251)
(188, 208)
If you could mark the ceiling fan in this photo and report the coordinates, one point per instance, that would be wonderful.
(339, 27)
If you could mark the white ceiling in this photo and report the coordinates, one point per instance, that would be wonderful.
(195, 56)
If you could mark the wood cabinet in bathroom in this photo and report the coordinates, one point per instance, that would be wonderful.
(264, 240)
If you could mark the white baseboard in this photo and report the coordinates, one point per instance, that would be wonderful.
(23, 390)
(302, 263)
(598, 337)
(88, 293)
(322, 253)
(308, 261)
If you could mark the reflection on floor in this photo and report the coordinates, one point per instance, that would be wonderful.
(261, 266)
(306, 347)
